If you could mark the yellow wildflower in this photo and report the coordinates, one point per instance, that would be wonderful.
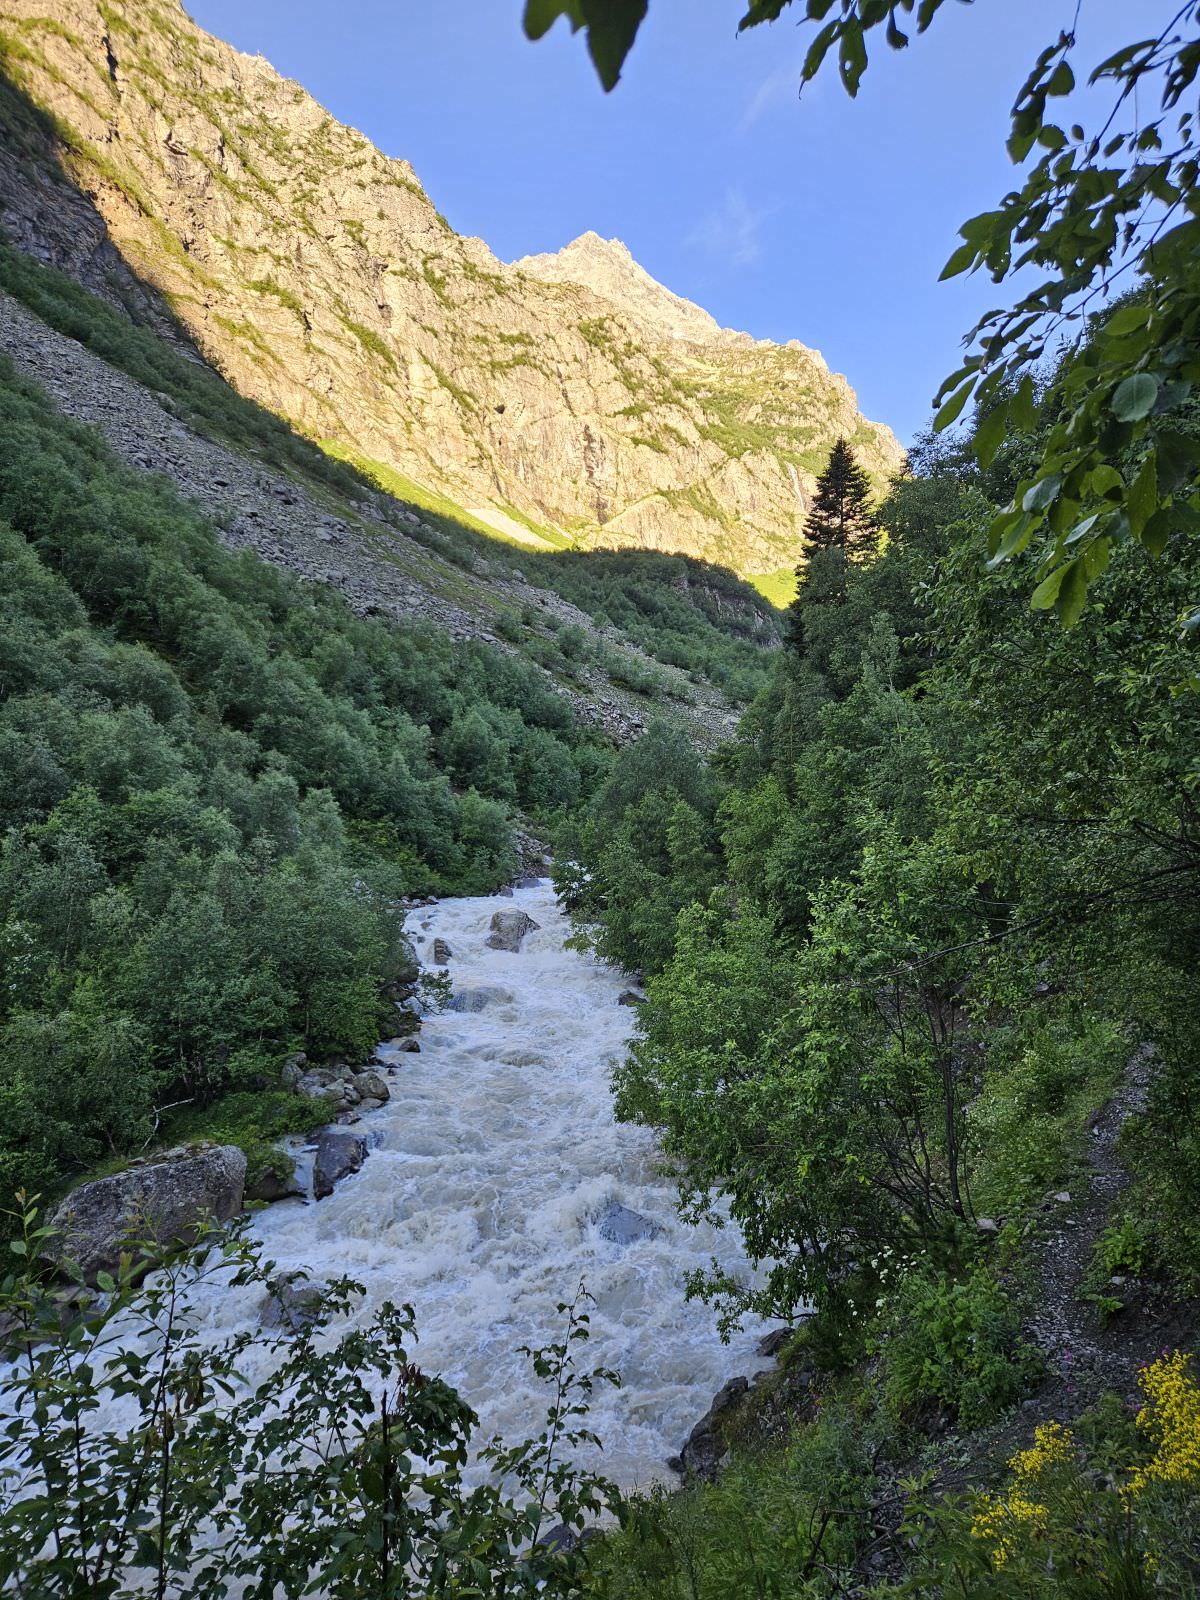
(1004, 1522)
(1171, 1418)
(1052, 1446)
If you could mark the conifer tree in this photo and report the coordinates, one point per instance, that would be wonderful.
(841, 516)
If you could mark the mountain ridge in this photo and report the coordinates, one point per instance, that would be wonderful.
(317, 275)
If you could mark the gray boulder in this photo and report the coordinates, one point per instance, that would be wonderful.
(509, 929)
(336, 1085)
(441, 952)
(293, 1069)
(619, 1225)
(707, 1444)
(371, 1085)
(275, 1182)
(772, 1343)
(291, 1302)
(478, 996)
(630, 997)
(339, 1153)
(162, 1200)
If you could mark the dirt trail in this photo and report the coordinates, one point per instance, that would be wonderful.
(1084, 1355)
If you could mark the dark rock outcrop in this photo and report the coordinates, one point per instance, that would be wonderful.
(291, 1302)
(339, 1153)
(708, 1443)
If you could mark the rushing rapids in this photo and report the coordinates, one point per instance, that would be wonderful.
(491, 1185)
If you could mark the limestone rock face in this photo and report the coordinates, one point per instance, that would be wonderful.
(162, 1200)
(570, 391)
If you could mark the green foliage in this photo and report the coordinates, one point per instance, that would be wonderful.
(1048, 1075)
(952, 928)
(1082, 1512)
(954, 1343)
(679, 610)
(647, 837)
(769, 1525)
(215, 783)
(138, 1459)
(841, 517)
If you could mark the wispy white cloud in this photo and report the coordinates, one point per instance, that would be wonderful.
(731, 230)
(779, 86)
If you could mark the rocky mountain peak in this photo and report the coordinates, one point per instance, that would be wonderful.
(606, 267)
(566, 398)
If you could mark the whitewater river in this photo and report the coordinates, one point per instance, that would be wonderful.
(482, 1201)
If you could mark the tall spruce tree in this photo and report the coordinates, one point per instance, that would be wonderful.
(841, 525)
(841, 516)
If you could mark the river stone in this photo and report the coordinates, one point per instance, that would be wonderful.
(630, 997)
(371, 1085)
(772, 1343)
(162, 1200)
(619, 1225)
(478, 996)
(269, 1187)
(509, 929)
(441, 952)
(290, 1302)
(335, 1085)
(293, 1069)
(339, 1153)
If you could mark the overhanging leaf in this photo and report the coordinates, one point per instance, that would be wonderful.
(1135, 396)
(612, 26)
(1142, 499)
(1072, 593)
(1046, 593)
(1042, 493)
(541, 15)
(953, 407)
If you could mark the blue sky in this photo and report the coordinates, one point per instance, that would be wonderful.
(822, 219)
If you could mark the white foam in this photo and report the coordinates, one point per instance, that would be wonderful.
(495, 1155)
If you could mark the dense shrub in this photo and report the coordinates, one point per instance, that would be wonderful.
(214, 784)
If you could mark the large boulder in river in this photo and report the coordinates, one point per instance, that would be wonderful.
(619, 1225)
(291, 1302)
(441, 952)
(162, 1201)
(339, 1153)
(509, 928)
(478, 996)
